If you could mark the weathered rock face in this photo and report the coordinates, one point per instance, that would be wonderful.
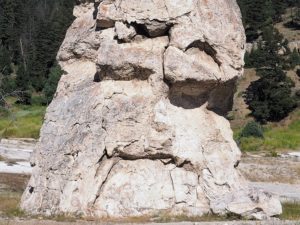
(136, 126)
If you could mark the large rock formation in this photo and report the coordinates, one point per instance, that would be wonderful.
(136, 126)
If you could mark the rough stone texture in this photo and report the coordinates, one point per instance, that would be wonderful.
(136, 126)
(49, 222)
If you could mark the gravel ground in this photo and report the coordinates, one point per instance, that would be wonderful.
(286, 192)
(39, 222)
(17, 149)
(15, 167)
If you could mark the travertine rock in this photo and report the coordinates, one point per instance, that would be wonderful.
(136, 126)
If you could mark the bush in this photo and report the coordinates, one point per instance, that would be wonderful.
(270, 97)
(24, 98)
(252, 129)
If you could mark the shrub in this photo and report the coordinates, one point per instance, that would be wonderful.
(252, 129)
(24, 98)
(270, 97)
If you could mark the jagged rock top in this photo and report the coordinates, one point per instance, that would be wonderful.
(136, 126)
(198, 30)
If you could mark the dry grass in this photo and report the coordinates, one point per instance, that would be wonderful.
(167, 217)
(240, 110)
(13, 186)
(14, 182)
(274, 170)
(9, 206)
(289, 34)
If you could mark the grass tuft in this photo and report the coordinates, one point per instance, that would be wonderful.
(291, 211)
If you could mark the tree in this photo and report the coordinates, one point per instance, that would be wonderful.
(266, 55)
(269, 98)
(294, 59)
(23, 86)
(5, 62)
(30, 33)
(51, 84)
(257, 14)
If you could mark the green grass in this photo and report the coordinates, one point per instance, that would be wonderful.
(291, 211)
(21, 121)
(276, 137)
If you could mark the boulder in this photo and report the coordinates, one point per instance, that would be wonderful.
(137, 125)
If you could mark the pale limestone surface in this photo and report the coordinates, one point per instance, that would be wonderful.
(136, 126)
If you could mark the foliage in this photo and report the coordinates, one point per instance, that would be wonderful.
(30, 35)
(257, 14)
(275, 137)
(294, 59)
(270, 97)
(252, 129)
(266, 54)
(294, 22)
(51, 84)
(5, 62)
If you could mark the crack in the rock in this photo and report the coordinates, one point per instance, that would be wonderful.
(153, 157)
(95, 12)
(104, 181)
(173, 186)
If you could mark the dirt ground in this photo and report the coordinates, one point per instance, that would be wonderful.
(271, 169)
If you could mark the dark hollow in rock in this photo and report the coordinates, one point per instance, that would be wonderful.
(126, 72)
(152, 29)
(193, 94)
(97, 77)
(221, 98)
(190, 94)
(207, 48)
